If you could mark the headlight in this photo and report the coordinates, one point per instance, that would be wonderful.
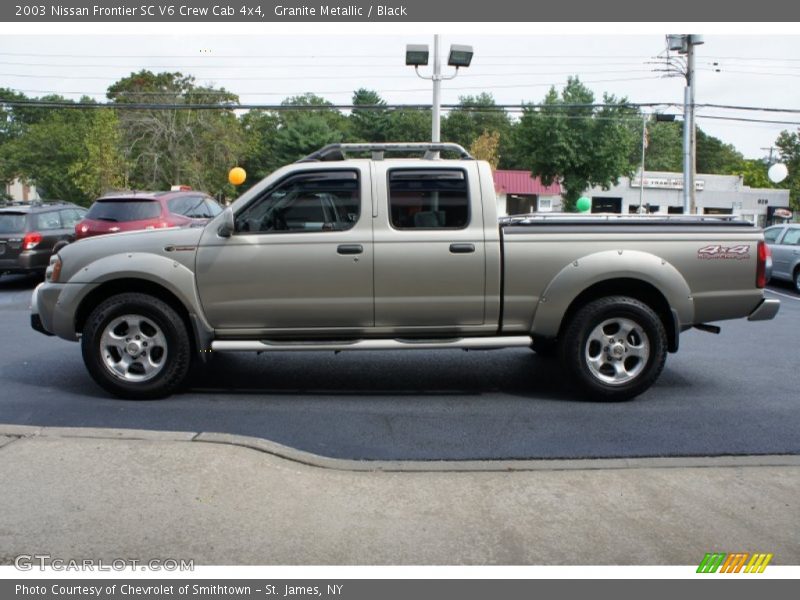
(53, 271)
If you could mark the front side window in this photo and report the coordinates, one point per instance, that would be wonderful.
(771, 234)
(428, 199)
(194, 207)
(314, 201)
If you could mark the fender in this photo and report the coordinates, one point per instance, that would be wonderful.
(161, 270)
(595, 268)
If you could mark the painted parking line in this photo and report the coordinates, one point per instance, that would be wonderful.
(783, 294)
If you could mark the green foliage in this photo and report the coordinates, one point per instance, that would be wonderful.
(103, 167)
(789, 146)
(369, 124)
(664, 148)
(472, 117)
(167, 147)
(44, 147)
(715, 156)
(580, 145)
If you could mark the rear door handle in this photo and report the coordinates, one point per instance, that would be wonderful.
(462, 248)
(350, 249)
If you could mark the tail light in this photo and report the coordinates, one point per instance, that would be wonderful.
(31, 240)
(763, 264)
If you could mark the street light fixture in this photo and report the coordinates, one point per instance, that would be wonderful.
(417, 56)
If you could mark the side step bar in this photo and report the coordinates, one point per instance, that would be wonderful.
(472, 343)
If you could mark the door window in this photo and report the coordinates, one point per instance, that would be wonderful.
(70, 217)
(771, 234)
(792, 237)
(428, 199)
(312, 201)
(48, 220)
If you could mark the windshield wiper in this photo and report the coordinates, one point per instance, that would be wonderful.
(111, 219)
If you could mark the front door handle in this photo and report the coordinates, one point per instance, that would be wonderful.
(462, 248)
(350, 249)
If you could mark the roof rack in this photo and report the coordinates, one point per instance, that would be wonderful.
(7, 203)
(333, 152)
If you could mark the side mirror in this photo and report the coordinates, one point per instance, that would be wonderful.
(226, 227)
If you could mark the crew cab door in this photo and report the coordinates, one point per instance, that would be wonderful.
(429, 247)
(300, 256)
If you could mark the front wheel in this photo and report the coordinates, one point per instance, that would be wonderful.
(614, 347)
(136, 346)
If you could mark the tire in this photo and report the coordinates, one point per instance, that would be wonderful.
(608, 366)
(796, 280)
(136, 347)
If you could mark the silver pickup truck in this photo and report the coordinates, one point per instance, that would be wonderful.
(336, 253)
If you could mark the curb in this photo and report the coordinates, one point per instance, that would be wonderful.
(10, 433)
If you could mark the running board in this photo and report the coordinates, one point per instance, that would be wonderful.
(471, 343)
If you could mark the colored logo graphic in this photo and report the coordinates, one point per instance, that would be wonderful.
(734, 563)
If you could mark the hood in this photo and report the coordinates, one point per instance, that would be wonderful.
(81, 253)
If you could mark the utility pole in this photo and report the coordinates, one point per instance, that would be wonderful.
(641, 176)
(692, 128)
(684, 45)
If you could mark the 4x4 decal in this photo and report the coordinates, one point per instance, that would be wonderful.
(739, 252)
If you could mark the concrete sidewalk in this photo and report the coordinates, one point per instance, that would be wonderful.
(84, 493)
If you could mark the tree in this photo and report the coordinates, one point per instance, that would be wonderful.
(46, 145)
(664, 148)
(569, 140)
(103, 166)
(406, 125)
(789, 146)
(487, 147)
(715, 156)
(473, 116)
(177, 146)
(369, 124)
(259, 129)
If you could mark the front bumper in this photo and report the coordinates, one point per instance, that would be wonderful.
(766, 310)
(36, 319)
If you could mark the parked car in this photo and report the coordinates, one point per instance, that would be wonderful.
(31, 231)
(335, 253)
(784, 242)
(147, 210)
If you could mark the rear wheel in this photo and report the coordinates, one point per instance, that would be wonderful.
(614, 347)
(797, 280)
(136, 346)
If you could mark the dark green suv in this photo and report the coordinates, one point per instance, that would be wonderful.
(32, 231)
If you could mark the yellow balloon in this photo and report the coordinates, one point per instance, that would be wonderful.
(237, 175)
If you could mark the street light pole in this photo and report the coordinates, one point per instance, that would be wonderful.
(436, 119)
(417, 55)
(693, 128)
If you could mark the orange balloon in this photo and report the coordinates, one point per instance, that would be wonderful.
(237, 175)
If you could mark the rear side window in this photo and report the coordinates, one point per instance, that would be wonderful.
(428, 199)
(121, 210)
(12, 222)
(47, 220)
(771, 234)
(792, 237)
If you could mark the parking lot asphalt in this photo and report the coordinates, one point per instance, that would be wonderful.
(736, 393)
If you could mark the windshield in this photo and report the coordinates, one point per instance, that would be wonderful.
(124, 209)
(12, 222)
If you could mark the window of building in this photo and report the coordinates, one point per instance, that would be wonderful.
(428, 199)
(312, 201)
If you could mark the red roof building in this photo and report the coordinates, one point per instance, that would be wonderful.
(521, 182)
(520, 193)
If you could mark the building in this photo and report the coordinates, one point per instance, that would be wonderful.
(715, 195)
(519, 193)
(19, 191)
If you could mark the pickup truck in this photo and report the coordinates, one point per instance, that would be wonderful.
(340, 253)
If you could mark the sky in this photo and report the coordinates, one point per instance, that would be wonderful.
(742, 70)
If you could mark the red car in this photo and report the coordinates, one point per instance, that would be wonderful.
(147, 210)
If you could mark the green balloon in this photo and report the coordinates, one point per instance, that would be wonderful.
(583, 204)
